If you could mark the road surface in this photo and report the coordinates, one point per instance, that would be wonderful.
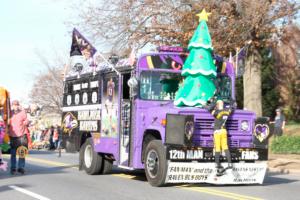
(51, 177)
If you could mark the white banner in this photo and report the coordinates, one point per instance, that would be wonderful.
(241, 173)
(88, 126)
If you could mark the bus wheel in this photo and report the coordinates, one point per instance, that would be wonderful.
(92, 161)
(156, 163)
(107, 166)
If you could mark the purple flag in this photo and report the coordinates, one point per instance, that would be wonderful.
(81, 46)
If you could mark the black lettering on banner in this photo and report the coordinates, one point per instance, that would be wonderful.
(192, 177)
(187, 177)
(186, 169)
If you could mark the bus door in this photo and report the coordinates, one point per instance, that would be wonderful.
(125, 120)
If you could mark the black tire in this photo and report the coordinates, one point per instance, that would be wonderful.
(70, 147)
(155, 163)
(91, 160)
(147, 139)
(107, 166)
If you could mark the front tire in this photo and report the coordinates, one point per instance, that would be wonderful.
(156, 163)
(91, 160)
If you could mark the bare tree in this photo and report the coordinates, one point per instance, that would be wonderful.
(47, 89)
(126, 22)
(123, 23)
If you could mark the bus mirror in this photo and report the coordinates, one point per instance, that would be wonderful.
(133, 84)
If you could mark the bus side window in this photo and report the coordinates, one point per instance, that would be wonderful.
(126, 88)
(70, 86)
(66, 88)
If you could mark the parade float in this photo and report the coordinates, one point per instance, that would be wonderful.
(152, 114)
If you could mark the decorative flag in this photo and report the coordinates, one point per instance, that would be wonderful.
(81, 46)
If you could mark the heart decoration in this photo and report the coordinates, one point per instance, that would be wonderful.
(261, 131)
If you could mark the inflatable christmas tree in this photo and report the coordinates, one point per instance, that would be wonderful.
(199, 69)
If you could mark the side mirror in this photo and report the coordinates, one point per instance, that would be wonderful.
(133, 84)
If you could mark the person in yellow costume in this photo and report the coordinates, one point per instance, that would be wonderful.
(221, 115)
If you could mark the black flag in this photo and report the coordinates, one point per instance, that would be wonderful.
(81, 46)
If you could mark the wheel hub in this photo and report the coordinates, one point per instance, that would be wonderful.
(88, 156)
(152, 163)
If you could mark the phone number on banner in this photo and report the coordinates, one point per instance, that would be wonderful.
(241, 173)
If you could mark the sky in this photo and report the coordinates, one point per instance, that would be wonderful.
(28, 27)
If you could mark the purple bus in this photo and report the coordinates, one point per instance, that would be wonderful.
(126, 117)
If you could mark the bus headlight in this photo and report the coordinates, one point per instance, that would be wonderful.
(245, 125)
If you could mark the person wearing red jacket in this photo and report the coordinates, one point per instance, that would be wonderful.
(18, 137)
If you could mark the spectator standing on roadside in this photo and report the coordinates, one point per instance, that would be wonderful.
(56, 137)
(17, 132)
(279, 123)
(59, 147)
(51, 133)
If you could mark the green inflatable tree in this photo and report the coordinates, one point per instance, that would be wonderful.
(199, 69)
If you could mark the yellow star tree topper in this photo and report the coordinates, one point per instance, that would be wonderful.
(203, 15)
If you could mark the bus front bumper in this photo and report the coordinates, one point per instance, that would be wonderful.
(199, 172)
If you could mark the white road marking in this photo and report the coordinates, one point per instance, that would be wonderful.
(29, 193)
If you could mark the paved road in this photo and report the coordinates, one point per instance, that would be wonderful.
(50, 177)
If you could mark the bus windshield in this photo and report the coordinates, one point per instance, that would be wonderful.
(161, 86)
(157, 85)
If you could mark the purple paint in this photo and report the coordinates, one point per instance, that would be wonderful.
(148, 115)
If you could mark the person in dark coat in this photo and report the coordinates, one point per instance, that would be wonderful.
(51, 134)
(279, 123)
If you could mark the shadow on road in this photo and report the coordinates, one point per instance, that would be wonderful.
(138, 175)
(42, 152)
(33, 170)
(273, 179)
